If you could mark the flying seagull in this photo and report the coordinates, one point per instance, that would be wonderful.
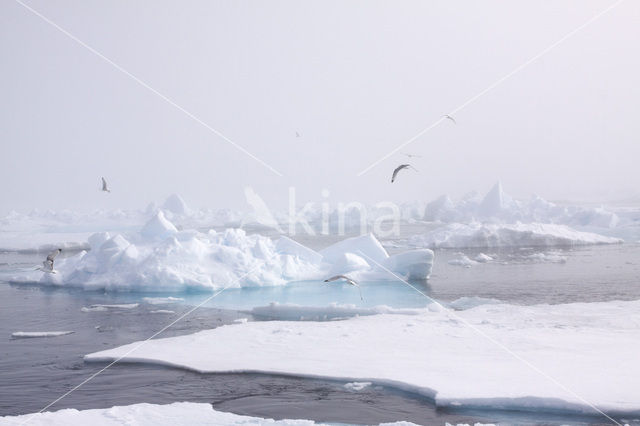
(347, 280)
(447, 116)
(401, 167)
(297, 135)
(412, 155)
(47, 265)
(105, 188)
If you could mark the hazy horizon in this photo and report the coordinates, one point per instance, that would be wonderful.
(354, 80)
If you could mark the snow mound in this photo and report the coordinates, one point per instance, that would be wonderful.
(176, 205)
(178, 413)
(366, 244)
(161, 258)
(457, 358)
(487, 235)
(158, 228)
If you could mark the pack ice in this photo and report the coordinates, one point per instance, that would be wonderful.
(159, 257)
(498, 220)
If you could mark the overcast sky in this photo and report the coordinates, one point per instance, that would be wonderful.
(354, 78)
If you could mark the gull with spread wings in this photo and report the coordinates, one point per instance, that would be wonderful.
(347, 280)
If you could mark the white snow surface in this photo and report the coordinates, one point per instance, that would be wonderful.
(161, 258)
(178, 413)
(589, 348)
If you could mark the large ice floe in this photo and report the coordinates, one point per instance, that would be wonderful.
(489, 235)
(178, 413)
(159, 257)
(565, 358)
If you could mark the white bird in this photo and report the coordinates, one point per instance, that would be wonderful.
(347, 280)
(401, 167)
(412, 155)
(297, 135)
(47, 265)
(105, 188)
(447, 116)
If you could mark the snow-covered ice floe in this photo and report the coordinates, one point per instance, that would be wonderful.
(489, 235)
(178, 413)
(161, 258)
(591, 349)
(35, 334)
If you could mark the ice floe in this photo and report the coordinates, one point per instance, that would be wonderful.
(103, 308)
(462, 260)
(183, 413)
(489, 235)
(162, 300)
(357, 386)
(34, 334)
(161, 258)
(490, 356)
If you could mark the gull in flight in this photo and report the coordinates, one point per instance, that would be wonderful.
(401, 167)
(105, 188)
(47, 265)
(412, 155)
(448, 117)
(297, 135)
(347, 280)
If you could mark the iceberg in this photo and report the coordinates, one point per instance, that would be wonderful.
(543, 357)
(161, 258)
